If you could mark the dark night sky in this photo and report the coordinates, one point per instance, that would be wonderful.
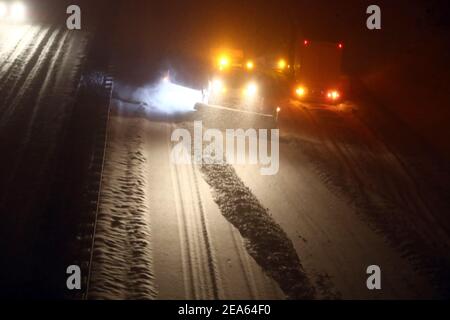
(263, 23)
(260, 26)
(156, 30)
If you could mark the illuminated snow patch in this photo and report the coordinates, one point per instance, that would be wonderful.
(166, 97)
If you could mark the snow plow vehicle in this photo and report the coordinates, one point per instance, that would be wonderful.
(237, 84)
(317, 71)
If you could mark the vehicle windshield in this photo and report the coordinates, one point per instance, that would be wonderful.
(236, 77)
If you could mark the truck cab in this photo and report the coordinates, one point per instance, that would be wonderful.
(236, 87)
(238, 83)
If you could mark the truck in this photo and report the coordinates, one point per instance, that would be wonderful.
(239, 83)
(317, 71)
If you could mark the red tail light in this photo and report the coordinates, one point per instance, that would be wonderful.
(333, 95)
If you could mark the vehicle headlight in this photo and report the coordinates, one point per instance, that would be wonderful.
(300, 91)
(251, 89)
(333, 95)
(281, 64)
(18, 12)
(217, 86)
(224, 62)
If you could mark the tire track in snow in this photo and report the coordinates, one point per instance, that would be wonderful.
(56, 51)
(254, 286)
(32, 86)
(37, 84)
(245, 264)
(211, 261)
(433, 238)
(209, 250)
(23, 68)
(9, 56)
(30, 75)
(403, 232)
(199, 257)
(38, 78)
(193, 252)
(262, 237)
(188, 268)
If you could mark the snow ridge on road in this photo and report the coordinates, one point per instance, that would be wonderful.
(266, 242)
(122, 264)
